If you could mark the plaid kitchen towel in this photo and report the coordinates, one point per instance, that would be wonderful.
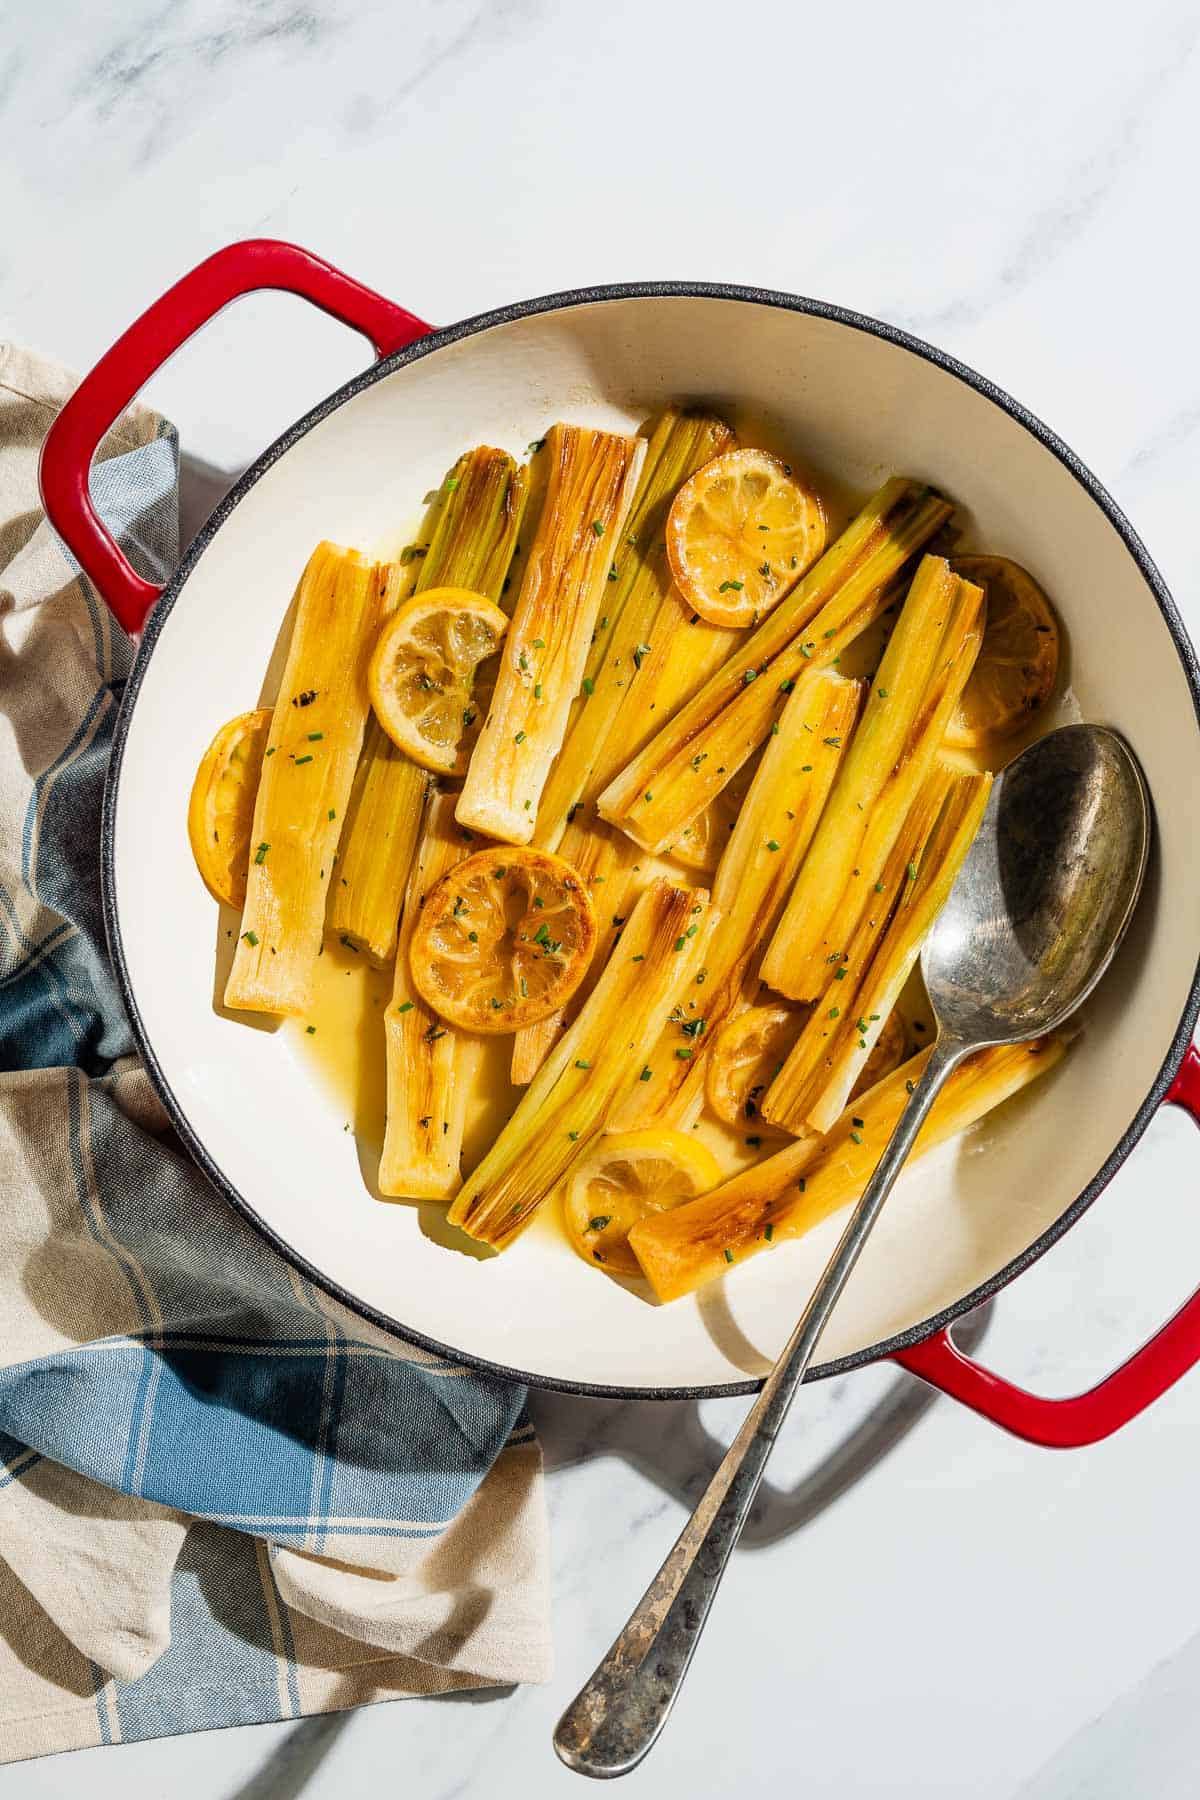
(223, 1498)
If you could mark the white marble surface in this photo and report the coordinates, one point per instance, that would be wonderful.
(961, 1614)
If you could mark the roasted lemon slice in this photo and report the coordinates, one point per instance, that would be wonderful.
(625, 1178)
(1017, 665)
(503, 940)
(740, 534)
(748, 1054)
(422, 674)
(221, 809)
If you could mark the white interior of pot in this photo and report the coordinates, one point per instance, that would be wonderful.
(846, 401)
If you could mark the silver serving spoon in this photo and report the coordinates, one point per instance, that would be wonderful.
(1039, 907)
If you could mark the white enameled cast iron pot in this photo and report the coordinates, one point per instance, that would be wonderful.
(853, 396)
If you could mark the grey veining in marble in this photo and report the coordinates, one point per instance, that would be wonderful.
(1015, 182)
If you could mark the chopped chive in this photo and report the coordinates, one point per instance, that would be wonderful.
(519, 737)
(260, 855)
(539, 643)
(532, 448)
(726, 585)
(771, 844)
(750, 675)
(857, 1136)
(405, 1006)
(598, 527)
(646, 1072)
(599, 1222)
(310, 1031)
(769, 1230)
(637, 959)
(580, 1064)
(251, 937)
(785, 687)
(728, 1254)
(302, 759)
(683, 1053)
(589, 686)
(834, 1011)
(537, 690)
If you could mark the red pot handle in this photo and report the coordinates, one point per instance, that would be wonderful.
(102, 396)
(1120, 1397)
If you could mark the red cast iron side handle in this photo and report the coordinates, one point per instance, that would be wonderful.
(102, 396)
(1120, 1397)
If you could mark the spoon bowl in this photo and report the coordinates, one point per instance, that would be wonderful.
(1045, 893)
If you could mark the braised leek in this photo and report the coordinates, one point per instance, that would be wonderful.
(307, 774)
(591, 480)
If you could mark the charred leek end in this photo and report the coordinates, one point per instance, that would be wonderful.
(469, 540)
(605, 861)
(664, 788)
(931, 652)
(429, 1063)
(592, 477)
(595, 1062)
(631, 679)
(476, 524)
(815, 1082)
(768, 843)
(791, 1192)
(307, 774)
(377, 846)
(925, 889)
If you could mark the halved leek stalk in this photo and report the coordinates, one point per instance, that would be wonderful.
(768, 843)
(591, 481)
(605, 862)
(893, 963)
(864, 981)
(921, 753)
(791, 1192)
(665, 786)
(602, 1054)
(624, 670)
(429, 1063)
(470, 535)
(307, 773)
(928, 659)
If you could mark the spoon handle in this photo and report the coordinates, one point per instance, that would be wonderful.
(617, 1715)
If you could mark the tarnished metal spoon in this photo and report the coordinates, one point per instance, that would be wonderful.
(1032, 922)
